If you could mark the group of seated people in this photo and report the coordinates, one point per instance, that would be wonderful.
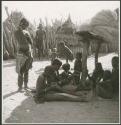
(104, 81)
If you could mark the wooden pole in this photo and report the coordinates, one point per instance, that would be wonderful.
(97, 52)
(84, 62)
(6, 9)
(13, 28)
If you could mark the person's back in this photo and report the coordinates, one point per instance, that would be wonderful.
(46, 80)
(40, 84)
(43, 81)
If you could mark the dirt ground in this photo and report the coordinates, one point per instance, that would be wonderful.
(19, 108)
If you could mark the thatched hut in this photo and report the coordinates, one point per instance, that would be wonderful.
(105, 24)
(66, 33)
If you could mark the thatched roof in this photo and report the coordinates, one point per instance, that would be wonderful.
(66, 28)
(66, 32)
(105, 25)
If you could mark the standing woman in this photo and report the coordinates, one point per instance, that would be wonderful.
(24, 57)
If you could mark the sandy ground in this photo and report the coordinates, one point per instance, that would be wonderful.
(19, 108)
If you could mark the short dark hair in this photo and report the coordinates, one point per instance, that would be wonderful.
(62, 43)
(24, 21)
(99, 66)
(115, 61)
(78, 55)
(48, 70)
(66, 66)
(56, 62)
(107, 75)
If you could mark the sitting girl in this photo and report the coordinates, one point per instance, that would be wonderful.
(66, 75)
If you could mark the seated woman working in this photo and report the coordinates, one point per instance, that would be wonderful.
(48, 80)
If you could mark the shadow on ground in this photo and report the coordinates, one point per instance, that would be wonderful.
(10, 94)
(9, 64)
(65, 112)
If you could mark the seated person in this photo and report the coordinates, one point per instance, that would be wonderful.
(48, 80)
(66, 75)
(77, 67)
(115, 74)
(97, 74)
(104, 88)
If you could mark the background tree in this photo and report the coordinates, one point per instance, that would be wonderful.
(9, 41)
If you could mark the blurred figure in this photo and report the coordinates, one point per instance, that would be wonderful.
(104, 88)
(77, 67)
(39, 39)
(65, 52)
(97, 74)
(96, 77)
(115, 74)
(53, 54)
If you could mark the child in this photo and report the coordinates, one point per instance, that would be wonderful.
(66, 75)
(77, 67)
